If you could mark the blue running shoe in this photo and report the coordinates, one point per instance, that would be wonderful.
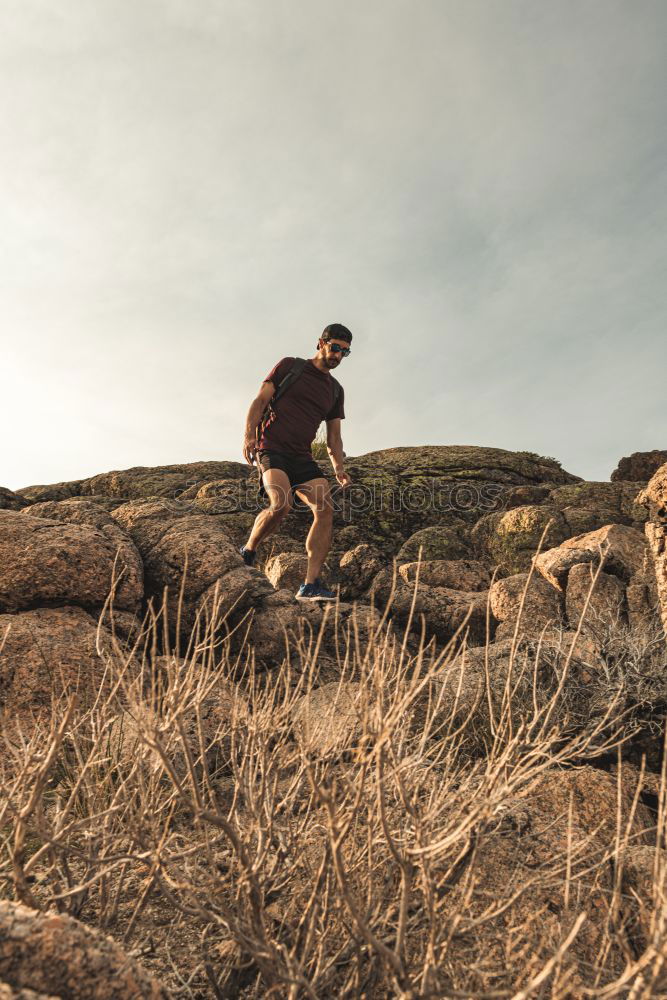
(314, 592)
(248, 557)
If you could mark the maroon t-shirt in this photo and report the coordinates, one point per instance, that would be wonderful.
(301, 410)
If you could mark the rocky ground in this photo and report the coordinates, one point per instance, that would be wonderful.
(258, 797)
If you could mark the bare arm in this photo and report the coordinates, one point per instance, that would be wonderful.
(335, 444)
(335, 449)
(255, 412)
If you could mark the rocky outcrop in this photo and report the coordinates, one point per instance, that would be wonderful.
(591, 505)
(46, 561)
(169, 481)
(182, 551)
(357, 567)
(11, 501)
(620, 548)
(443, 541)
(52, 491)
(599, 602)
(640, 466)
(509, 540)
(443, 608)
(361, 679)
(45, 652)
(654, 498)
(287, 569)
(458, 574)
(180, 534)
(54, 954)
(542, 605)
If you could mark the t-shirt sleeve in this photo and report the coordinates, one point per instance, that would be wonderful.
(279, 371)
(338, 409)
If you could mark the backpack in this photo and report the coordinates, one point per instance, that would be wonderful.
(286, 381)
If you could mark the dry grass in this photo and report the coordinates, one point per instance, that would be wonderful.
(246, 846)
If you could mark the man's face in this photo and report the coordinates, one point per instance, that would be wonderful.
(331, 357)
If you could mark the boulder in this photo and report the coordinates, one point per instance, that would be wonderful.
(182, 551)
(470, 463)
(621, 548)
(52, 491)
(542, 608)
(11, 501)
(590, 505)
(457, 574)
(279, 623)
(56, 955)
(169, 481)
(50, 508)
(606, 603)
(146, 521)
(641, 593)
(124, 626)
(96, 513)
(524, 496)
(509, 540)
(287, 570)
(228, 598)
(654, 498)
(357, 568)
(46, 652)
(476, 679)
(443, 608)
(398, 491)
(359, 620)
(639, 467)
(46, 561)
(438, 542)
(231, 493)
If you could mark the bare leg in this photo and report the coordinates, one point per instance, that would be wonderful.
(317, 495)
(279, 492)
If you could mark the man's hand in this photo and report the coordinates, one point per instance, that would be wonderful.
(343, 477)
(249, 449)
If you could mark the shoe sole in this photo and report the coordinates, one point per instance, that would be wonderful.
(319, 598)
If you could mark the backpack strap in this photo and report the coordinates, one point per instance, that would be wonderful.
(286, 381)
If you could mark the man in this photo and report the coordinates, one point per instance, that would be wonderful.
(284, 454)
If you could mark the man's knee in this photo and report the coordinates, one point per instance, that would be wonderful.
(279, 508)
(323, 511)
(280, 501)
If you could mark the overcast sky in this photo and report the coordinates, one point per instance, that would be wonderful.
(193, 189)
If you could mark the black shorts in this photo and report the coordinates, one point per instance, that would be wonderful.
(299, 469)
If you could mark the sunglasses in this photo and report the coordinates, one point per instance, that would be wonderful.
(336, 348)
